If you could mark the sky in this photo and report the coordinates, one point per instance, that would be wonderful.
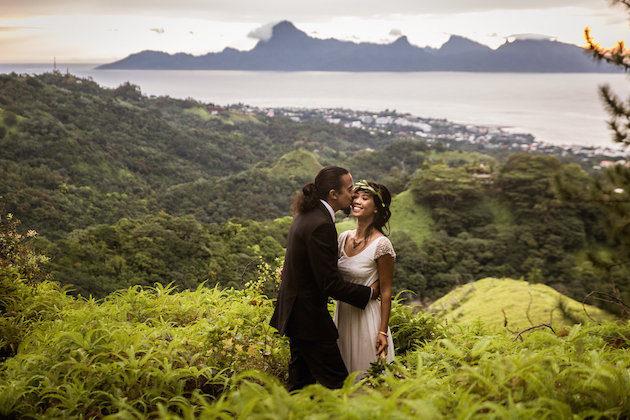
(94, 31)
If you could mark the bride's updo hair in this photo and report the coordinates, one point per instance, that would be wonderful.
(329, 178)
(382, 203)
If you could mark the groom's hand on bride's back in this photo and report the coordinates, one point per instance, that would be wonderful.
(376, 290)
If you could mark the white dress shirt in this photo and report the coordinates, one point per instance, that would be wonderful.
(330, 209)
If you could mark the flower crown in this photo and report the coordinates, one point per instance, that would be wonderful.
(365, 186)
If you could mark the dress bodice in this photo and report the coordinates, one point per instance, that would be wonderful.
(361, 268)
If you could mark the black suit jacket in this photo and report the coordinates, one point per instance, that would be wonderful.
(310, 276)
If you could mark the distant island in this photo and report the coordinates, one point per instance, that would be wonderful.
(290, 49)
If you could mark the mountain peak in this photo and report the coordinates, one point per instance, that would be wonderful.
(402, 41)
(460, 44)
(286, 29)
(531, 43)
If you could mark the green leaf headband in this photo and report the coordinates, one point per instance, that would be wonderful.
(365, 186)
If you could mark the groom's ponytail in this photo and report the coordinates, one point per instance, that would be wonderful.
(309, 190)
(327, 179)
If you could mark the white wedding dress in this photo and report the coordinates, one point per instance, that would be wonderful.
(358, 328)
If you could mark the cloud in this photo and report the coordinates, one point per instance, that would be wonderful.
(616, 20)
(396, 32)
(537, 37)
(157, 30)
(262, 33)
(15, 28)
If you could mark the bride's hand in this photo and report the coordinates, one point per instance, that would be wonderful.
(376, 290)
(381, 344)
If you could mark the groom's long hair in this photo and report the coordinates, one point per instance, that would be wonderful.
(329, 178)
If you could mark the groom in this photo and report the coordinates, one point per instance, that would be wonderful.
(310, 276)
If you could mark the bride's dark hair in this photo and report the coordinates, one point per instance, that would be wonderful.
(382, 203)
(329, 178)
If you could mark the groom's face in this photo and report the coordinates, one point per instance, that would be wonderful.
(344, 196)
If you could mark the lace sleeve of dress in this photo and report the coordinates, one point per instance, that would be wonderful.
(383, 247)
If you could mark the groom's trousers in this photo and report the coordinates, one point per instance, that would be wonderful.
(315, 361)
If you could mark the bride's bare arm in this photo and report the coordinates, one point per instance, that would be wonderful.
(385, 267)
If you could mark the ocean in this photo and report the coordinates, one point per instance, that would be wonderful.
(556, 108)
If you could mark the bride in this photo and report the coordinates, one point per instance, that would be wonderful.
(366, 255)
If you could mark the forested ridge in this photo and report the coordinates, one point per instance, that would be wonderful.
(75, 153)
(126, 189)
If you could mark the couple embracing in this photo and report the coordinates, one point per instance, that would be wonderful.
(355, 269)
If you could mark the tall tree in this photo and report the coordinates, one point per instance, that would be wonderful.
(618, 55)
(613, 188)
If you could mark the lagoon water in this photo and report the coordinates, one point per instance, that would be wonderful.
(556, 108)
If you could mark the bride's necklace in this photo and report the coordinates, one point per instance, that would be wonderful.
(356, 243)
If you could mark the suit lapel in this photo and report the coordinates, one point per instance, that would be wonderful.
(323, 208)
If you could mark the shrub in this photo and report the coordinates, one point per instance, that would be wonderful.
(137, 348)
(10, 119)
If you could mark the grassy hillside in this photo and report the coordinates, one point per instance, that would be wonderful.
(227, 117)
(458, 158)
(486, 300)
(298, 164)
(410, 217)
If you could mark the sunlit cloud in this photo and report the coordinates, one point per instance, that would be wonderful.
(537, 37)
(262, 33)
(15, 28)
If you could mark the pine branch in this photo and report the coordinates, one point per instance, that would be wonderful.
(625, 3)
(614, 104)
(619, 122)
(617, 55)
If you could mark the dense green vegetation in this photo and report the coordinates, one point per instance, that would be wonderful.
(531, 217)
(165, 248)
(124, 189)
(78, 154)
(174, 219)
(208, 352)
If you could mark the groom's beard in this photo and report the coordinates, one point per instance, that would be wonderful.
(347, 210)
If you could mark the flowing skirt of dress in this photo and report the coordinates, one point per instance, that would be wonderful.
(358, 330)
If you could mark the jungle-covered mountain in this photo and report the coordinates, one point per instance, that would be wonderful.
(291, 49)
